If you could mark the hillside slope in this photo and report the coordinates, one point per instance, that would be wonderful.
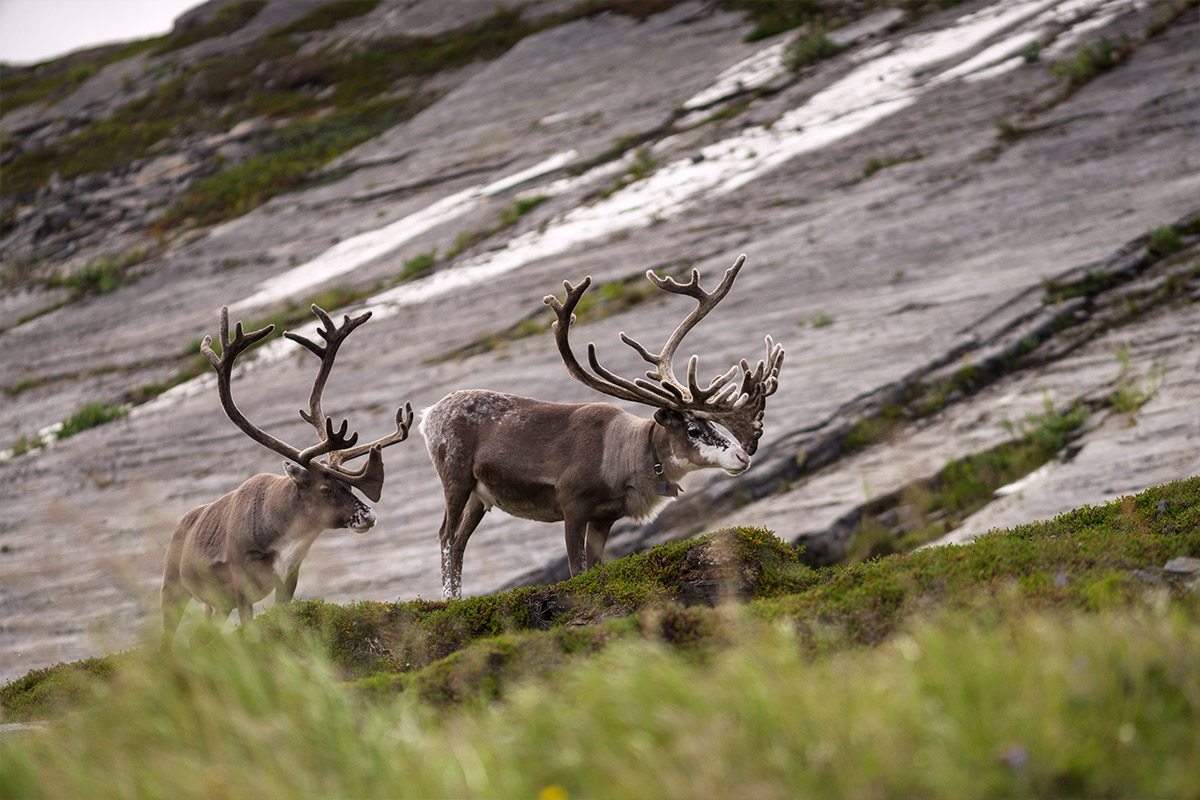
(947, 231)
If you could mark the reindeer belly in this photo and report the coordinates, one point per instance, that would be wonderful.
(535, 501)
(259, 575)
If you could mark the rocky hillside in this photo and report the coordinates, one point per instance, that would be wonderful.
(975, 229)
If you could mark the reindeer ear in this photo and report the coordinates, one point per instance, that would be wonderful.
(299, 475)
(667, 417)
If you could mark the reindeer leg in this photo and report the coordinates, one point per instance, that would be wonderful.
(457, 495)
(285, 589)
(597, 536)
(175, 596)
(245, 610)
(471, 517)
(576, 530)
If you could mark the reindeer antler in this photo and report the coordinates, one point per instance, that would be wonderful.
(336, 442)
(661, 388)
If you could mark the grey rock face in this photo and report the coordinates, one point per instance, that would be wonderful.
(939, 259)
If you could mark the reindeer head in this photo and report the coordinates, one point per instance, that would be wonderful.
(725, 416)
(328, 479)
(329, 502)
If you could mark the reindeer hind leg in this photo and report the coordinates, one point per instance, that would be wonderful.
(467, 523)
(175, 598)
(457, 495)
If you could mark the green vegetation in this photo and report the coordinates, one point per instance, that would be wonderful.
(291, 153)
(273, 78)
(508, 217)
(55, 79)
(1164, 241)
(91, 415)
(642, 166)
(810, 49)
(520, 207)
(1055, 659)
(1089, 61)
(1008, 131)
(25, 444)
(422, 262)
(102, 276)
(776, 16)
(926, 509)
(873, 164)
(1132, 393)
(24, 385)
(120, 138)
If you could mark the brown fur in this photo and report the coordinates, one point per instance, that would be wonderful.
(236, 550)
(586, 465)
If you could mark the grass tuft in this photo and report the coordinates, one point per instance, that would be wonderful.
(90, 416)
(810, 49)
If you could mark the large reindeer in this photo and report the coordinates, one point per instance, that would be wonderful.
(234, 551)
(590, 464)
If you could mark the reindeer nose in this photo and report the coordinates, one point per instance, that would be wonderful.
(364, 520)
(742, 458)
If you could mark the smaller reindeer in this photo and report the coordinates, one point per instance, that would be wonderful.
(234, 551)
(590, 464)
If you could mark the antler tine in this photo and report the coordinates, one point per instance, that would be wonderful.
(660, 387)
(404, 418)
(705, 302)
(223, 364)
(603, 380)
(369, 478)
(332, 441)
(333, 336)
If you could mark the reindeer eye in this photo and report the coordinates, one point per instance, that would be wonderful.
(693, 430)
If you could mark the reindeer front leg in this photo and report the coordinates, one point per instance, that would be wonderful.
(597, 537)
(285, 588)
(576, 530)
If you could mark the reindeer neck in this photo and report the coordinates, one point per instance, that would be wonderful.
(667, 469)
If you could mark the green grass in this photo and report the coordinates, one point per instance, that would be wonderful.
(89, 416)
(1033, 662)
(101, 276)
(873, 164)
(292, 154)
(52, 80)
(520, 207)
(1089, 61)
(1164, 241)
(272, 78)
(24, 444)
(641, 166)
(1132, 392)
(776, 16)
(926, 509)
(417, 265)
(810, 49)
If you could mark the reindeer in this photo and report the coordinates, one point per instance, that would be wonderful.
(234, 551)
(590, 464)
